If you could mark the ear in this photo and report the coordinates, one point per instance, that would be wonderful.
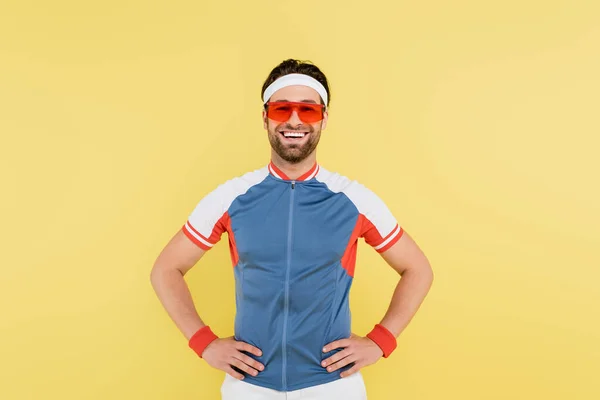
(264, 117)
(325, 118)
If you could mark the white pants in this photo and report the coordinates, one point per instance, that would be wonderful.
(349, 388)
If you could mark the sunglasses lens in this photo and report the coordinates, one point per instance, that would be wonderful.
(282, 111)
(279, 112)
(310, 113)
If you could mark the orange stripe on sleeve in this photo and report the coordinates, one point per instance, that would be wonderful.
(194, 239)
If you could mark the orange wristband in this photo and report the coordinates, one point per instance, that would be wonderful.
(384, 339)
(201, 339)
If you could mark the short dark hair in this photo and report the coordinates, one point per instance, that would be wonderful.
(291, 66)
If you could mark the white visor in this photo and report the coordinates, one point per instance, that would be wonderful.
(292, 80)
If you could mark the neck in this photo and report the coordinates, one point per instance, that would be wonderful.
(294, 171)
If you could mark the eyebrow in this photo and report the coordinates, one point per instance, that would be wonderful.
(301, 101)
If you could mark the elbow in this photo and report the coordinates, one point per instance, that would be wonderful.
(426, 268)
(424, 272)
(430, 275)
(160, 271)
(156, 274)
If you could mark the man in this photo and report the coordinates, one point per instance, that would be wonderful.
(293, 229)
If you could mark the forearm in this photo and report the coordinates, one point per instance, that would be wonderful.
(175, 296)
(408, 296)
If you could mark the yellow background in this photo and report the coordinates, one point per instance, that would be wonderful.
(477, 122)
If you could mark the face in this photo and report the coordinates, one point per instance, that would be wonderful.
(294, 149)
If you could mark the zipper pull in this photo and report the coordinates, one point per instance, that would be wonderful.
(293, 184)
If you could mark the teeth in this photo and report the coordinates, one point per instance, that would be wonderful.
(294, 134)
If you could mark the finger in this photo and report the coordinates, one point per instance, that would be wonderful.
(243, 346)
(342, 363)
(336, 345)
(233, 373)
(244, 367)
(249, 361)
(336, 357)
(351, 371)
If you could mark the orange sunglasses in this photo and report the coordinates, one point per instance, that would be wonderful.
(281, 111)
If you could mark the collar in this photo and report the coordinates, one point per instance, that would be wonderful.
(277, 173)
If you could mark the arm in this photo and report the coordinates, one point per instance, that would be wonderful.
(178, 257)
(408, 260)
(175, 260)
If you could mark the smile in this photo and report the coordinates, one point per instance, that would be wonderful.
(293, 134)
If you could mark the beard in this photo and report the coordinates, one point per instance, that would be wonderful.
(294, 153)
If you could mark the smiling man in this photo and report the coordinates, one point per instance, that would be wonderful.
(293, 230)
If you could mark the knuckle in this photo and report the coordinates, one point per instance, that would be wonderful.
(244, 367)
(250, 370)
(234, 373)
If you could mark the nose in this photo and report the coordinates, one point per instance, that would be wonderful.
(294, 119)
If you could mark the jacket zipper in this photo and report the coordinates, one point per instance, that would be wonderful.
(287, 291)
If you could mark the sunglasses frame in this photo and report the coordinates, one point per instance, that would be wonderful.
(297, 103)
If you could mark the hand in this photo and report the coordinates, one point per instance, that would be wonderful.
(359, 350)
(226, 353)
